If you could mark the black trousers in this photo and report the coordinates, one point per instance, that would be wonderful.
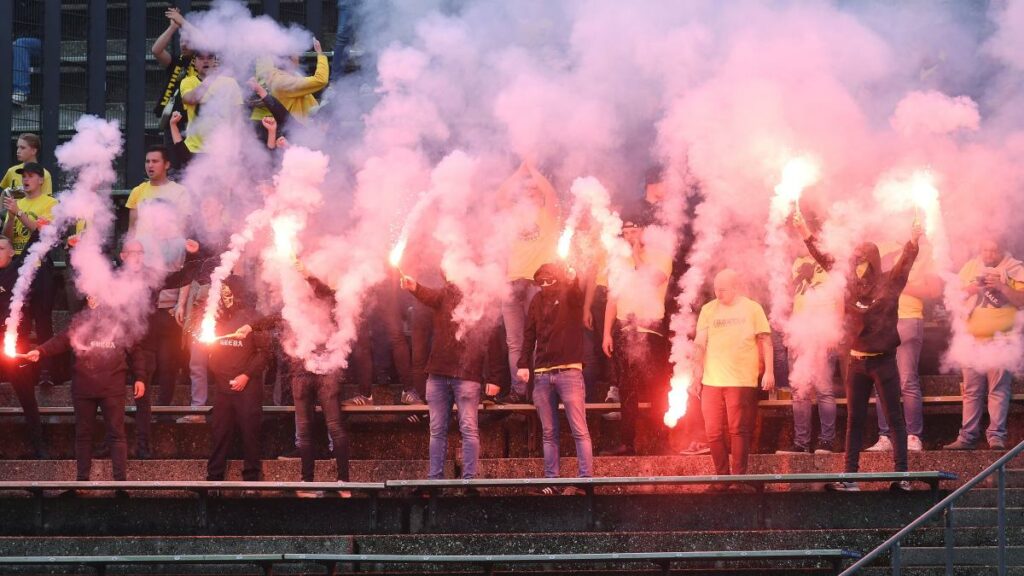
(117, 441)
(384, 313)
(308, 389)
(241, 413)
(167, 337)
(863, 375)
(23, 376)
(641, 362)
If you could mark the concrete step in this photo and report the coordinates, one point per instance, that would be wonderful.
(987, 498)
(987, 516)
(965, 466)
(963, 556)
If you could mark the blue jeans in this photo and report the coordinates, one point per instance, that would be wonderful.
(908, 357)
(343, 35)
(513, 313)
(198, 364)
(442, 392)
(997, 384)
(568, 386)
(24, 50)
(824, 389)
(308, 389)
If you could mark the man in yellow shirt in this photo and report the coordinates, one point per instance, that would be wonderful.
(294, 91)
(207, 88)
(158, 187)
(994, 284)
(634, 336)
(530, 199)
(733, 337)
(26, 151)
(25, 217)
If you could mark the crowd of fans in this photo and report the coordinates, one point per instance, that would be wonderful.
(562, 339)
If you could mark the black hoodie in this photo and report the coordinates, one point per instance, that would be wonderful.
(871, 303)
(230, 357)
(103, 358)
(554, 326)
(464, 359)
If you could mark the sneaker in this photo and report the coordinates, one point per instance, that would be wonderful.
(795, 449)
(192, 419)
(547, 491)
(959, 445)
(996, 444)
(574, 491)
(914, 443)
(613, 395)
(412, 397)
(696, 449)
(612, 416)
(309, 494)
(842, 487)
(900, 486)
(292, 454)
(883, 445)
(620, 450)
(413, 419)
(825, 448)
(344, 493)
(358, 400)
(19, 98)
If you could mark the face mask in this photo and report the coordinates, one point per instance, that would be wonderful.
(862, 269)
(227, 297)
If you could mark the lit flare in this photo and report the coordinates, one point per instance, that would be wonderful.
(565, 242)
(286, 230)
(207, 332)
(798, 173)
(677, 394)
(10, 348)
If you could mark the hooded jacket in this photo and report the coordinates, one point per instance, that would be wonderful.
(230, 357)
(554, 327)
(103, 357)
(465, 359)
(871, 302)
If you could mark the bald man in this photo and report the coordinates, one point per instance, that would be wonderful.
(733, 341)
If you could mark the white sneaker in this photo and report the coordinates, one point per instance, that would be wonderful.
(612, 416)
(613, 395)
(914, 443)
(309, 494)
(842, 487)
(883, 445)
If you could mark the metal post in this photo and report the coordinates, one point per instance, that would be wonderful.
(315, 16)
(95, 100)
(948, 539)
(1001, 503)
(51, 83)
(6, 82)
(135, 113)
(897, 559)
(272, 8)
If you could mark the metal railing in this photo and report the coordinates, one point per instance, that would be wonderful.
(945, 507)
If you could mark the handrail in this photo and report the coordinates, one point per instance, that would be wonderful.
(943, 505)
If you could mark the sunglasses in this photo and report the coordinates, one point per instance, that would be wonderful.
(545, 282)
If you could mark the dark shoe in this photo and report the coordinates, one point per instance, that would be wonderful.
(996, 444)
(292, 454)
(510, 398)
(795, 449)
(842, 487)
(412, 397)
(958, 445)
(547, 491)
(620, 450)
(900, 486)
(825, 448)
(414, 418)
(358, 400)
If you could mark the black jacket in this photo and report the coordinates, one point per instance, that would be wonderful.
(103, 357)
(871, 304)
(230, 357)
(464, 359)
(8, 276)
(554, 326)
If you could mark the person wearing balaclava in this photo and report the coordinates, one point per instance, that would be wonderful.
(237, 359)
(870, 335)
(105, 356)
(553, 348)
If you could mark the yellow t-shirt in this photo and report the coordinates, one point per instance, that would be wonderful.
(987, 316)
(294, 92)
(732, 358)
(12, 178)
(909, 306)
(640, 298)
(228, 89)
(534, 247)
(170, 191)
(807, 275)
(40, 208)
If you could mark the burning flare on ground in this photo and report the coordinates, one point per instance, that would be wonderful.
(678, 391)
